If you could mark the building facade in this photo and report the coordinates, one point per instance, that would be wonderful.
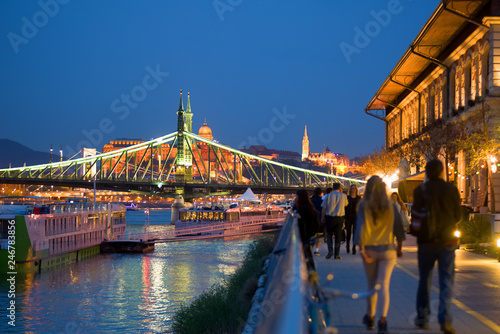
(444, 93)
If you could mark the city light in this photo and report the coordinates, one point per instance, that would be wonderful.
(493, 161)
(388, 179)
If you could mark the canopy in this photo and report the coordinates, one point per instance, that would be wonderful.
(249, 196)
(414, 177)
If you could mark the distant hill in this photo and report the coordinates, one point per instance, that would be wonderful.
(17, 154)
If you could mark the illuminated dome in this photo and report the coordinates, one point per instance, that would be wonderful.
(205, 132)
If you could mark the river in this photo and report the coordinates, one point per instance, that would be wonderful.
(122, 293)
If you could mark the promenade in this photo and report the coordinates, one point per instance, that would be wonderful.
(476, 304)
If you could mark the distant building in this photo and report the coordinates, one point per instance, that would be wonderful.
(272, 154)
(337, 161)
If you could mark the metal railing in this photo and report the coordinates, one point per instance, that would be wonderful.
(283, 308)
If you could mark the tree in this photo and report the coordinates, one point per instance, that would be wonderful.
(380, 162)
(480, 140)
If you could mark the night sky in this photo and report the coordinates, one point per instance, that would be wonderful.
(92, 71)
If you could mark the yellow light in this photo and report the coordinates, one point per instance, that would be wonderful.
(498, 242)
(457, 234)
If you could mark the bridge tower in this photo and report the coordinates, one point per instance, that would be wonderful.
(184, 157)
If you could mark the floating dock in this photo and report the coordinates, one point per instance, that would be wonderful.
(127, 246)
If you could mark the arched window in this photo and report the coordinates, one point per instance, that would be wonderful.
(432, 106)
(439, 103)
(423, 111)
(451, 93)
(485, 64)
(473, 82)
(467, 84)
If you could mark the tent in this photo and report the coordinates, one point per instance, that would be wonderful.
(249, 196)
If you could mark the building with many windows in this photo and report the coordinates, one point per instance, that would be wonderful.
(442, 99)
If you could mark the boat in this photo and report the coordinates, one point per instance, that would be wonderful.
(286, 205)
(36, 237)
(218, 221)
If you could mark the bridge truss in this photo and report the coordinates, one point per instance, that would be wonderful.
(154, 167)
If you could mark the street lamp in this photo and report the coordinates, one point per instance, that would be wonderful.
(493, 161)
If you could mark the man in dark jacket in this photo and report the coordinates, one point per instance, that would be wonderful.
(442, 201)
(317, 200)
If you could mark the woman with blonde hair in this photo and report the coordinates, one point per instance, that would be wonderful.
(378, 222)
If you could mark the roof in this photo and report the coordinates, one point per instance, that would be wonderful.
(289, 153)
(260, 150)
(449, 25)
(414, 177)
(248, 196)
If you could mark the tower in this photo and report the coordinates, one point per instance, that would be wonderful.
(180, 116)
(305, 145)
(184, 157)
(189, 116)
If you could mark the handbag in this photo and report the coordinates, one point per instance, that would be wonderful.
(405, 219)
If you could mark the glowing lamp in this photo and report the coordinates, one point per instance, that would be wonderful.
(493, 163)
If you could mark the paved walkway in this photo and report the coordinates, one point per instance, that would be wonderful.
(476, 307)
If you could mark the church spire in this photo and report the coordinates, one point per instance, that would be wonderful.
(181, 107)
(305, 145)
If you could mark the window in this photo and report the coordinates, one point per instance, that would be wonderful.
(467, 84)
(452, 96)
(485, 64)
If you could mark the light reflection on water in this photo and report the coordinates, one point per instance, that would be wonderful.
(126, 293)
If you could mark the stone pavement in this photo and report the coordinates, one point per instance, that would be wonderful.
(476, 307)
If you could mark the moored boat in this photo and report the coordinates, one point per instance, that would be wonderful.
(229, 221)
(34, 237)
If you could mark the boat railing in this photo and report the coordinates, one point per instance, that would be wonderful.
(199, 229)
(68, 208)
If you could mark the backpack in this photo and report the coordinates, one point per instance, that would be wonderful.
(422, 225)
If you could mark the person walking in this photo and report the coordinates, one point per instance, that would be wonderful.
(441, 201)
(378, 222)
(316, 201)
(350, 216)
(332, 215)
(308, 219)
(401, 209)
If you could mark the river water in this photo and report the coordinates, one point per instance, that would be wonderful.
(122, 293)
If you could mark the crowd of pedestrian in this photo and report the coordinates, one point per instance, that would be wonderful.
(376, 224)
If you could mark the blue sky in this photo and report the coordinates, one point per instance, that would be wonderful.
(77, 72)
